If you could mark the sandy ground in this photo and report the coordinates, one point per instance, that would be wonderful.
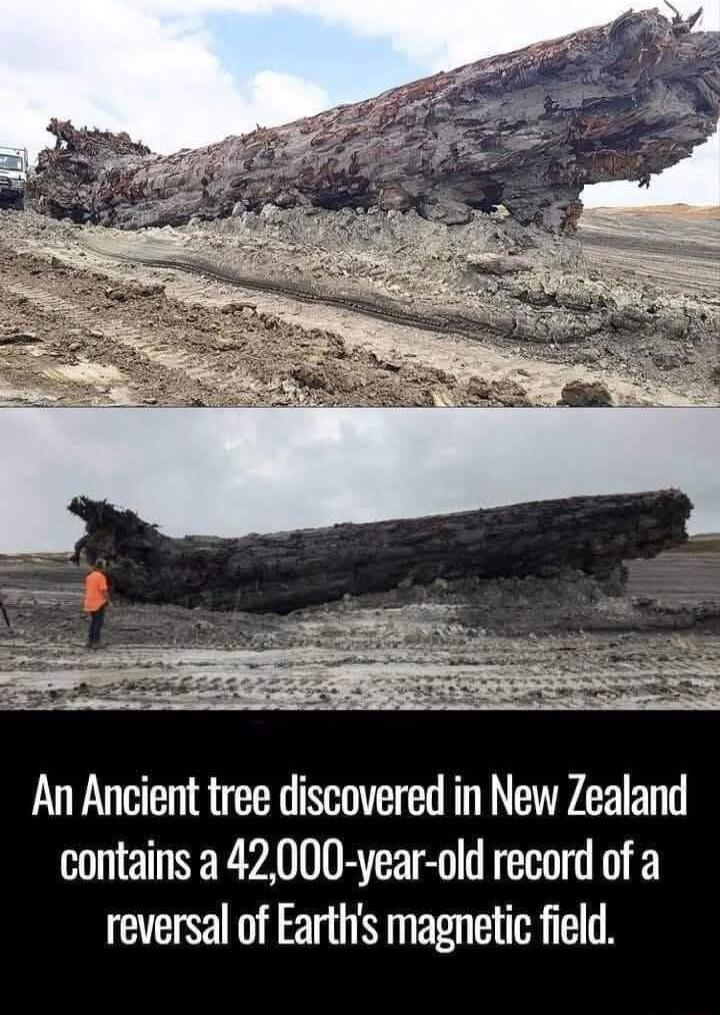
(678, 245)
(534, 643)
(83, 328)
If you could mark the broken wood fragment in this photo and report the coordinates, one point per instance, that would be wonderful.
(684, 24)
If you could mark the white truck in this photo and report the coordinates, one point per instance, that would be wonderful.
(13, 176)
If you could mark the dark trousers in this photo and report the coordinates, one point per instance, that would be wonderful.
(96, 623)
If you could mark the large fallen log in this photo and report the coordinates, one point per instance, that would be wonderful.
(529, 130)
(289, 570)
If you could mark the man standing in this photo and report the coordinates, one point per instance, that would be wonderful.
(3, 610)
(96, 601)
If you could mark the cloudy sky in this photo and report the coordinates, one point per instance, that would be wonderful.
(182, 73)
(230, 471)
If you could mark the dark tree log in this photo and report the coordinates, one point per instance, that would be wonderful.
(289, 570)
(528, 130)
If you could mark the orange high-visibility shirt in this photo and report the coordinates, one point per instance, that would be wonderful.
(96, 587)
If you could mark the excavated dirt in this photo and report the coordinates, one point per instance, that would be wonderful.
(566, 642)
(77, 337)
(356, 308)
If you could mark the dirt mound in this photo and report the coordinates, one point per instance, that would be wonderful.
(569, 601)
(359, 308)
(352, 232)
(516, 283)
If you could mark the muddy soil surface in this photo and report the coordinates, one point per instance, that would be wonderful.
(532, 643)
(76, 336)
(79, 325)
(676, 245)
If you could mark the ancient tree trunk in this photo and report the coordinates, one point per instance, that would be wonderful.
(528, 130)
(289, 570)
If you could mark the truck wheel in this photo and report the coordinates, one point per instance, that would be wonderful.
(20, 203)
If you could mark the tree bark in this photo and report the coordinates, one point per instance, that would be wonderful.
(528, 130)
(289, 570)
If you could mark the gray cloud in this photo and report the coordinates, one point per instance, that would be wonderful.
(230, 472)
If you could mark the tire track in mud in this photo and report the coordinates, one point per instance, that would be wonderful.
(648, 690)
(507, 676)
(461, 326)
(178, 348)
(279, 351)
(462, 347)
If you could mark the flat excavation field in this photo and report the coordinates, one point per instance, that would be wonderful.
(532, 643)
(675, 245)
(316, 308)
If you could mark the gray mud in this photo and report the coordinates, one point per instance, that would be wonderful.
(566, 642)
